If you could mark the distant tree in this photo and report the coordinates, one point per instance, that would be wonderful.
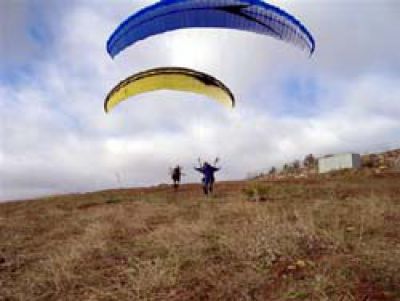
(272, 171)
(310, 161)
(296, 165)
(286, 167)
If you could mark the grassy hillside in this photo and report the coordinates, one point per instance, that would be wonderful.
(333, 238)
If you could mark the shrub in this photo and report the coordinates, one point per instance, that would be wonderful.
(257, 192)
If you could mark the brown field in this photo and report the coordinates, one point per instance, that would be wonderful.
(331, 238)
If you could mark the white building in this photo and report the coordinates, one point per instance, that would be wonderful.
(339, 161)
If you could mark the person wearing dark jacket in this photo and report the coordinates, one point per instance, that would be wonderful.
(176, 174)
(208, 172)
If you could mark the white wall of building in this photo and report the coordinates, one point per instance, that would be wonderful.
(339, 161)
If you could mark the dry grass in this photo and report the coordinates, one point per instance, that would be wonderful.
(336, 238)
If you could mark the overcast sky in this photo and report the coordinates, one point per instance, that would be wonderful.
(55, 73)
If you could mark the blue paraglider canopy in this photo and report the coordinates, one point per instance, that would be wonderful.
(248, 15)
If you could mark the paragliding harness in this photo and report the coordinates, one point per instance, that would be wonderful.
(208, 175)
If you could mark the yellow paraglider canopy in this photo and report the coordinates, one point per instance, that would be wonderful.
(169, 78)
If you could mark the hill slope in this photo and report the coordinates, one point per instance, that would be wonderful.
(336, 238)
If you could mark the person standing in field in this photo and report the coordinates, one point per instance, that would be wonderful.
(208, 172)
(176, 174)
